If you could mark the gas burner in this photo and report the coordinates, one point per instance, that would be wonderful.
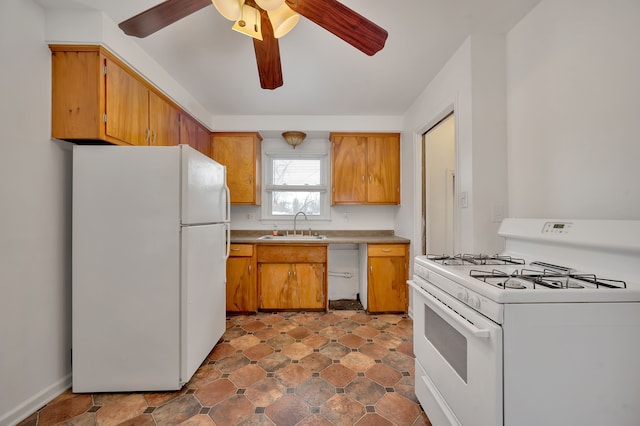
(513, 284)
(499, 279)
(438, 257)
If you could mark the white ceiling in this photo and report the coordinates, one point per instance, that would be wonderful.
(322, 74)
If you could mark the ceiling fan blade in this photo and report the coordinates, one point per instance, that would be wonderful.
(268, 55)
(343, 22)
(160, 16)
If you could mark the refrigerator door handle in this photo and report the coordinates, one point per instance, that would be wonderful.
(226, 188)
(228, 221)
(227, 225)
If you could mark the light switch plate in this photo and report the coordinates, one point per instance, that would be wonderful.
(464, 200)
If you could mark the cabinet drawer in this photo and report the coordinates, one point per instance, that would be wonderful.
(238, 250)
(386, 250)
(289, 253)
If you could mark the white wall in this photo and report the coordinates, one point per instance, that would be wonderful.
(472, 85)
(573, 84)
(35, 262)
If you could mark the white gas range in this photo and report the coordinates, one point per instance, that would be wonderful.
(546, 333)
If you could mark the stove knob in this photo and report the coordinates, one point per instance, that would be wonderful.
(475, 302)
(463, 295)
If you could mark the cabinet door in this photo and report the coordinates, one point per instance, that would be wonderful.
(383, 169)
(309, 280)
(77, 89)
(194, 135)
(241, 154)
(127, 106)
(387, 276)
(276, 286)
(203, 140)
(348, 169)
(241, 288)
(292, 286)
(163, 122)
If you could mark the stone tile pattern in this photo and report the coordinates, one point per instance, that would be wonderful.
(340, 367)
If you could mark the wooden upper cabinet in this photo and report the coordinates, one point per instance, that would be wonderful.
(96, 97)
(195, 135)
(383, 167)
(127, 106)
(241, 153)
(348, 169)
(365, 168)
(164, 122)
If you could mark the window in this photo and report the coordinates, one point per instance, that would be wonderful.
(295, 184)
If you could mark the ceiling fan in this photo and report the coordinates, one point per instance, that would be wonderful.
(266, 21)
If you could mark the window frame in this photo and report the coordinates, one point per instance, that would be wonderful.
(269, 187)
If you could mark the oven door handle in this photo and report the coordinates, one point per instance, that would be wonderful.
(446, 312)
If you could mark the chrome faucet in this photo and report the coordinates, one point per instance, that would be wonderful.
(295, 220)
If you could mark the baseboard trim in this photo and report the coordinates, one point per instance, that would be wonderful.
(36, 402)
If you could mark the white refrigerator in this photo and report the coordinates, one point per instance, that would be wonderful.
(150, 239)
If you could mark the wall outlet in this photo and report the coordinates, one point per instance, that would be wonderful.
(251, 216)
(497, 213)
(345, 216)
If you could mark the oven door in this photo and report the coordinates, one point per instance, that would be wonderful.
(458, 359)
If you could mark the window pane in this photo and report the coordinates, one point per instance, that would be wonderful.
(296, 172)
(290, 203)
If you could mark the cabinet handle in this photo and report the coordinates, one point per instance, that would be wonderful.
(249, 268)
(289, 274)
(155, 136)
(371, 269)
(250, 179)
(386, 250)
(235, 249)
(370, 178)
(146, 135)
(362, 178)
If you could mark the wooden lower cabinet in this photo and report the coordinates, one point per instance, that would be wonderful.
(292, 286)
(387, 275)
(292, 277)
(242, 293)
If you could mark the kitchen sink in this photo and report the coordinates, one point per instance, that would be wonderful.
(292, 237)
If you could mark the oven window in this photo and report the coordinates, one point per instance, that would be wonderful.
(447, 340)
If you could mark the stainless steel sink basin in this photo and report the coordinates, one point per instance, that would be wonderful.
(292, 237)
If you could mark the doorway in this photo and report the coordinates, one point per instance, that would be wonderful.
(439, 187)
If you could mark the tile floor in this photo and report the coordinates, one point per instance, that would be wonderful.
(293, 368)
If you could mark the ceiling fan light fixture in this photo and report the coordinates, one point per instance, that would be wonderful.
(294, 138)
(283, 19)
(230, 9)
(249, 22)
(269, 4)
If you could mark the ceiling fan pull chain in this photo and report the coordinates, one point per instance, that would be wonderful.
(255, 26)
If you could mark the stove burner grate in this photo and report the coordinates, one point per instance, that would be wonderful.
(475, 259)
(547, 279)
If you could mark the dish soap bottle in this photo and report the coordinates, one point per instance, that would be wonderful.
(275, 230)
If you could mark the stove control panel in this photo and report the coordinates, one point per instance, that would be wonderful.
(556, 228)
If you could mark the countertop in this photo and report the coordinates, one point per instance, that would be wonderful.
(332, 237)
